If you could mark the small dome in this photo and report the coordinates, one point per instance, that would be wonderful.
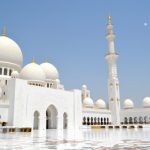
(128, 103)
(50, 71)
(32, 72)
(100, 104)
(146, 102)
(88, 102)
(10, 52)
(84, 87)
(58, 81)
(15, 74)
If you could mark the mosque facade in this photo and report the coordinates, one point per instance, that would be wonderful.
(33, 96)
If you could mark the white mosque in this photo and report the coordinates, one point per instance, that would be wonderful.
(33, 96)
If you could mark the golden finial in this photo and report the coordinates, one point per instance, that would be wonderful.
(33, 60)
(109, 18)
(46, 60)
(4, 31)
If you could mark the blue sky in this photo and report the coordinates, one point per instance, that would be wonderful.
(71, 33)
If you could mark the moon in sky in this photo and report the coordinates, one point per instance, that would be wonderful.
(145, 24)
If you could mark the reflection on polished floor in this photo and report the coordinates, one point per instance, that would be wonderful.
(129, 139)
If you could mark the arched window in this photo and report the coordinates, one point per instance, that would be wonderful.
(130, 120)
(107, 120)
(98, 120)
(36, 120)
(101, 121)
(48, 85)
(5, 71)
(95, 121)
(135, 120)
(65, 120)
(126, 120)
(10, 71)
(88, 121)
(0, 70)
(140, 120)
(91, 120)
(145, 119)
(84, 120)
(51, 85)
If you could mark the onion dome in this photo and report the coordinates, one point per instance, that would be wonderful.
(88, 102)
(100, 104)
(146, 102)
(84, 87)
(32, 72)
(128, 104)
(15, 74)
(58, 81)
(50, 71)
(10, 52)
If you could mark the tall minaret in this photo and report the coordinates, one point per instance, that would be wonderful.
(113, 82)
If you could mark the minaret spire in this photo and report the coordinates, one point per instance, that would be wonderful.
(109, 19)
(113, 82)
(110, 36)
(33, 60)
(4, 31)
(46, 60)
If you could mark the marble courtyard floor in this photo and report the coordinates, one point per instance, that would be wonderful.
(95, 139)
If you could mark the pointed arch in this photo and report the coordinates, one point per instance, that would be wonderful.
(65, 120)
(51, 117)
(135, 120)
(130, 120)
(125, 120)
(36, 120)
(141, 120)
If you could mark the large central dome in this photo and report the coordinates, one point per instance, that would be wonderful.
(10, 52)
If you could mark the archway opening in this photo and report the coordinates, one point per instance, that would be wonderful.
(95, 121)
(130, 120)
(91, 120)
(101, 121)
(98, 121)
(51, 117)
(140, 120)
(65, 121)
(107, 120)
(84, 120)
(104, 121)
(125, 120)
(88, 120)
(36, 120)
(135, 120)
(145, 119)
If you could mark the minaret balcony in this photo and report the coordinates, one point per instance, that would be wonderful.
(111, 55)
(110, 36)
